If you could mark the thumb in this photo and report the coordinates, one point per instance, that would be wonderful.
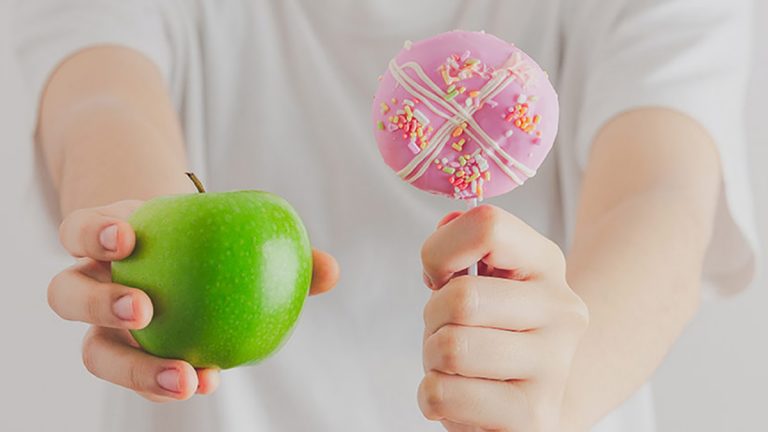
(325, 272)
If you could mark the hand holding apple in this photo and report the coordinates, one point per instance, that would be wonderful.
(85, 292)
(498, 347)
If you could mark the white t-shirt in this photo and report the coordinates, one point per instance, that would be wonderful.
(275, 95)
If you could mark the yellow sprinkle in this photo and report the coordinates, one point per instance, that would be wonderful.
(384, 108)
(474, 93)
(487, 176)
(462, 89)
(444, 73)
(457, 132)
(536, 118)
(456, 147)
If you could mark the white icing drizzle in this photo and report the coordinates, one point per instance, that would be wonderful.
(458, 115)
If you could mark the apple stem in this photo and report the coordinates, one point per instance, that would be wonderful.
(196, 181)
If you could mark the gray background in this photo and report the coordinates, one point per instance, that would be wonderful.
(715, 378)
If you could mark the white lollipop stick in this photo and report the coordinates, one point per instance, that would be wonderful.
(473, 268)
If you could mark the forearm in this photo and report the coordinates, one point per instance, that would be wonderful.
(113, 136)
(644, 223)
(638, 272)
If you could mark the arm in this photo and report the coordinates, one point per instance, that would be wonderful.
(644, 222)
(108, 132)
(513, 349)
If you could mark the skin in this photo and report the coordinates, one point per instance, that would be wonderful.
(106, 117)
(539, 346)
(540, 341)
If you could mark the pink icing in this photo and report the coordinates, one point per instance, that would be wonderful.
(527, 106)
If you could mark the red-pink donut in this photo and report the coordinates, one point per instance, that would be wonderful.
(465, 115)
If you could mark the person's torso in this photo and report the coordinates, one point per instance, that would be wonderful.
(275, 95)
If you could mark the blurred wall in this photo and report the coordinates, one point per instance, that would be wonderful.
(713, 381)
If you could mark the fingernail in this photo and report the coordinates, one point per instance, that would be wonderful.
(428, 281)
(169, 380)
(108, 238)
(123, 308)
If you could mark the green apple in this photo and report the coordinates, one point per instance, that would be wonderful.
(227, 274)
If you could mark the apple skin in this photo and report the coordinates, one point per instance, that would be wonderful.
(227, 274)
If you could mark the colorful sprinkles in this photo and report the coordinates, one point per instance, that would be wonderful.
(468, 173)
(411, 122)
(520, 115)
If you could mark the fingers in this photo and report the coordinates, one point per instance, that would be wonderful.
(208, 381)
(490, 234)
(478, 352)
(99, 233)
(325, 272)
(488, 302)
(74, 296)
(483, 403)
(107, 355)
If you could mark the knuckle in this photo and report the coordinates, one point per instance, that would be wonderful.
(136, 371)
(432, 400)
(575, 312)
(427, 254)
(449, 348)
(554, 255)
(463, 299)
(93, 307)
(489, 218)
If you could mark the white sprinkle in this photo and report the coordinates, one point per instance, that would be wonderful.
(522, 98)
(468, 102)
(421, 117)
(492, 103)
(408, 44)
(413, 147)
(509, 133)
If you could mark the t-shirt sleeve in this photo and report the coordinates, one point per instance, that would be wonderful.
(691, 56)
(46, 32)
